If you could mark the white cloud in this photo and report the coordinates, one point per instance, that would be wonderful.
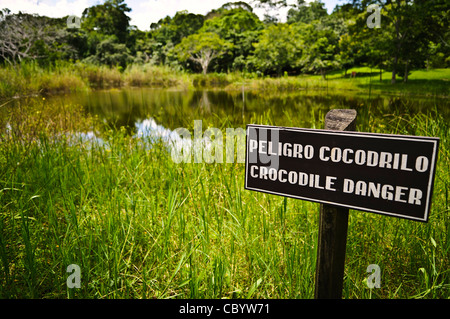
(49, 8)
(146, 12)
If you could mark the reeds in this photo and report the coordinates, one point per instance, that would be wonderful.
(29, 78)
(64, 77)
(154, 76)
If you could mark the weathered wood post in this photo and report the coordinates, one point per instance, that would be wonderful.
(333, 222)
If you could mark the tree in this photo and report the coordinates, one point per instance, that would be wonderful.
(361, 45)
(237, 5)
(435, 26)
(401, 18)
(378, 47)
(321, 48)
(279, 49)
(270, 3)
(77, 39)
(406, 32)
(169, 32)
(306, 13)
(175, 29)
(239, 26)
(24, 36)
(346, 52)
(109, 18)
(202, 48)
(111, 53)
(270, 6)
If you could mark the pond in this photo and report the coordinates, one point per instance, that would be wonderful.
(141, 110)
(179, 108)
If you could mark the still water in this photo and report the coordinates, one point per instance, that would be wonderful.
(140, 109)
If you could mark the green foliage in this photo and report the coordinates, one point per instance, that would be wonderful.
(240, 27)
(306, 13)
(321, 48)
(279, 48)
(110, 52)
(167, 33)
(174, 29)
(413, 34)
(108, 18)
(202, 48)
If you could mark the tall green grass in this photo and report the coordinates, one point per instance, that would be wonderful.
(29, 78)
(159, 76)
(141, 226)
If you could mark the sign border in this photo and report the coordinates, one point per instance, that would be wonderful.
(434, 140)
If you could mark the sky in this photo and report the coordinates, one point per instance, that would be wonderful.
(144, 12)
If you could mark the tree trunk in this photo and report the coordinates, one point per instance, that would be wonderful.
(398, 46)
(381, 74)
(405, 78)
(394, 70)
(205, 63)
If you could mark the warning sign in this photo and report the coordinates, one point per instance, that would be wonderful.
(380, 173)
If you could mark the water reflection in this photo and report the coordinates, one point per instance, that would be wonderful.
(149, 132)
(153, 115)
(177, 108)
(179, 142)
(88, 138)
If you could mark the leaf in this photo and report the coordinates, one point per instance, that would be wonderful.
(433, 242)
(253, 288)
(24, 217)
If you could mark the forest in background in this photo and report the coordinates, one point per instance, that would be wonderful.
(412, 35)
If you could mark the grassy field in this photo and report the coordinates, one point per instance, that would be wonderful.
(64, 77)
(141, 226)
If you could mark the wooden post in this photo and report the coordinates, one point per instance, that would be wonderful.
(333, 223)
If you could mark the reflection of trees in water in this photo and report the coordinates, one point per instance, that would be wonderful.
(173, 109)
(205, 104)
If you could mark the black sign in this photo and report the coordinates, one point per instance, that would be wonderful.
(380, 173)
